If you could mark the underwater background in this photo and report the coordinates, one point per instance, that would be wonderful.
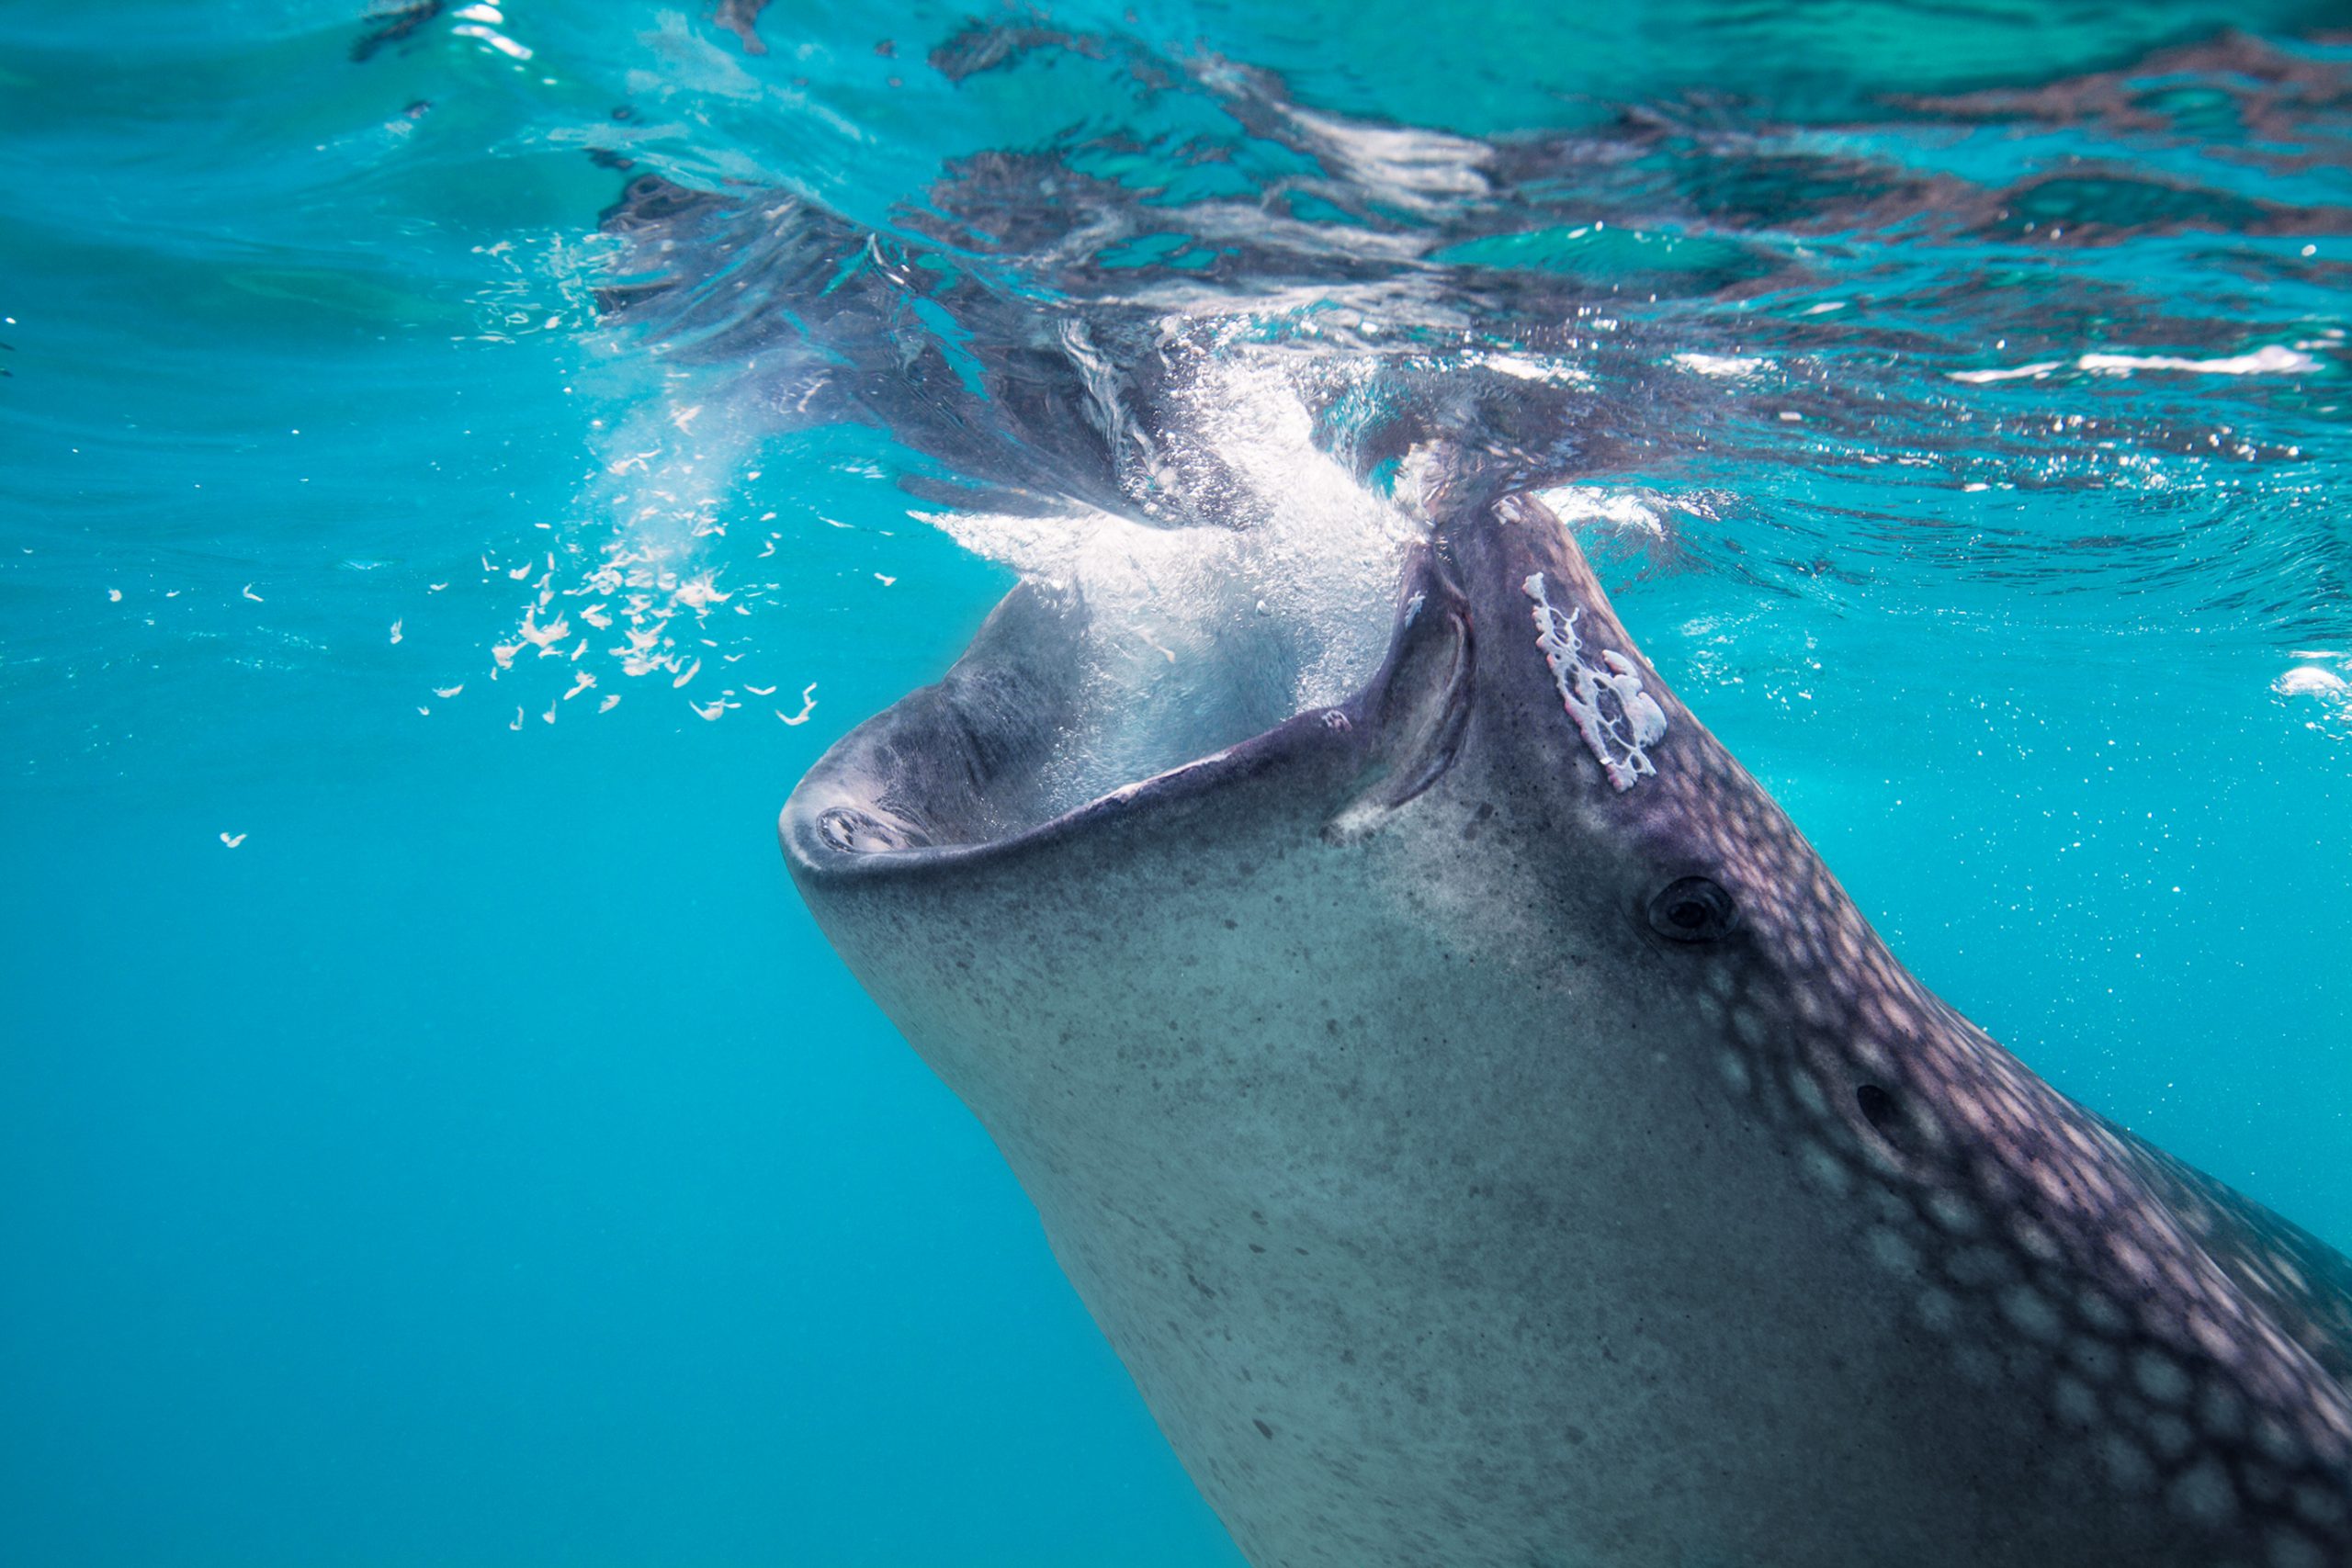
(431, 1132)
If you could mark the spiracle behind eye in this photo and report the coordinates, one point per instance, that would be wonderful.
(1692, 909)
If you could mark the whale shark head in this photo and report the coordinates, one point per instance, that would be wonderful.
(1488, 1134)
(1508, 678)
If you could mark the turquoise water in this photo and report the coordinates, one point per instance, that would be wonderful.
(431, 1132)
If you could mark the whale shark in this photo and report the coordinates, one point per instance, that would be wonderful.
(1492, 1138)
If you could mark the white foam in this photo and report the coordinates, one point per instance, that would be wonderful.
(2271, 359)
(2310, 680)
(2018, 373)
(1638, 513)
(1196, 637)
(1730, 367)
(1525, 369)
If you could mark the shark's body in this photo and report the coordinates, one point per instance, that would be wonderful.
(1492, 1140)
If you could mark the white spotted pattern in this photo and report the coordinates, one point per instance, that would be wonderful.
(1621, 738)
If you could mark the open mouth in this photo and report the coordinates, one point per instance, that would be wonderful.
(1052, 719)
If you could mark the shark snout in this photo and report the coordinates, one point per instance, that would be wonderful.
(1555, 657)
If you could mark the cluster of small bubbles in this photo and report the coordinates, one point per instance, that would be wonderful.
(538, 284)
(1191, 637)
(2318, 688)
(636, 592)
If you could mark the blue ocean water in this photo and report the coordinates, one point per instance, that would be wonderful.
(432, 1131)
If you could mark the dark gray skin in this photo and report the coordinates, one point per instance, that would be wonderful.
(1481, 1165)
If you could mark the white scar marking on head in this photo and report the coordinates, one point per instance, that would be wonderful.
(1620, 740)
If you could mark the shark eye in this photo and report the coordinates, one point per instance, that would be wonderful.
(1693, 909)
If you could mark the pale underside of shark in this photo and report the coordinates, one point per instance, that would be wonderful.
(1491, 1139)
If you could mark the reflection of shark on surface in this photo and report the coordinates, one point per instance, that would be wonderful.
(1030, 318)
(1490, 1135)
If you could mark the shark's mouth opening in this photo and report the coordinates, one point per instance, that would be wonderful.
(1130, 649)
(1176, 644)
(1154, 649)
